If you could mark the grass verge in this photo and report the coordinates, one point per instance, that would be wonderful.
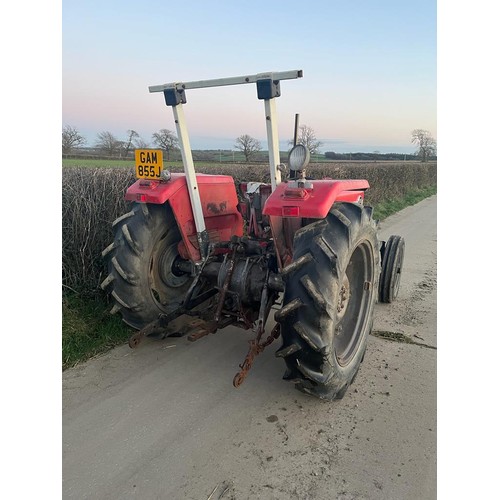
(88, 328)
(386, 208)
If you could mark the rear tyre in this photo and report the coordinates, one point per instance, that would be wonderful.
(331, 289)
(392, 265)
(143, 280)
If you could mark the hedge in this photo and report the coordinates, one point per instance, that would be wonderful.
(92, 198)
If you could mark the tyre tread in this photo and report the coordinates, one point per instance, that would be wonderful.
(308, 316)
(128, 259)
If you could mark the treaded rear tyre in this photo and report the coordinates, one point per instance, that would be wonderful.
(142, 280)
(330, 293)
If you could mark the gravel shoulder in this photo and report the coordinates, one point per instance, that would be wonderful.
(164, 422)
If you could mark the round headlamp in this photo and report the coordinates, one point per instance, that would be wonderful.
(298, 158)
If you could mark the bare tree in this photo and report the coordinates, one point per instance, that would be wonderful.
(425, 142)
(248, 146)
(71, 138)
(132, 136)
(166, 140)
(307, 137)
(108, 143)
(141, 143)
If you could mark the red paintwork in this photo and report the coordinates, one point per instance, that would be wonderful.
(219, 203)
(314, 203)
(288, 206)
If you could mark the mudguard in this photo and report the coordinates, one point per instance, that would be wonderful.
(287, 201)
(219, 203)
(288, 206)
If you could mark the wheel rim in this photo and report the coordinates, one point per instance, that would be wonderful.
(353, 309)
(398, 265)
(163, 276)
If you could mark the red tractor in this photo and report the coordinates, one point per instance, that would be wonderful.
(308, 247)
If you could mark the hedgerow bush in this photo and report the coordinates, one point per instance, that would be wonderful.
(92, 198)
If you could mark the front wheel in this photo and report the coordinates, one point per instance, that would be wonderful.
(392, 266)
(330, 294)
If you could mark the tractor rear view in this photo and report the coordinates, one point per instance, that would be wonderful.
(304, 248)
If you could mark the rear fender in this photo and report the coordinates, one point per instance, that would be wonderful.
(288, 206)
(219, 203)
(315, 203)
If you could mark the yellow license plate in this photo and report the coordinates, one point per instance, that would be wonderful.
(148, 163)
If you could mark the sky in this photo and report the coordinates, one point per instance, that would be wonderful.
(369, 69)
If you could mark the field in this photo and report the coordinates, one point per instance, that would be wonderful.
(212, 157)
(238, 161)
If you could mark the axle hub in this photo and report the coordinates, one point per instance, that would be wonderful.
(344, 295)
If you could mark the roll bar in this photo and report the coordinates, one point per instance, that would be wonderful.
(268, 88)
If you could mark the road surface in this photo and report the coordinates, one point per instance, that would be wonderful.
(164, 421)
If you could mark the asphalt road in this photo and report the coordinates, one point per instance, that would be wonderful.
(164, 421)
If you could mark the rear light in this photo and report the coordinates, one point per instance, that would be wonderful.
(141, 198)
(290, 211)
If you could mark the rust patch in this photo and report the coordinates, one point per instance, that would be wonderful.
(217, 209)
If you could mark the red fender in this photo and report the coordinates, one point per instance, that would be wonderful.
(313, 203)
(219, 203)
(286, 206)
